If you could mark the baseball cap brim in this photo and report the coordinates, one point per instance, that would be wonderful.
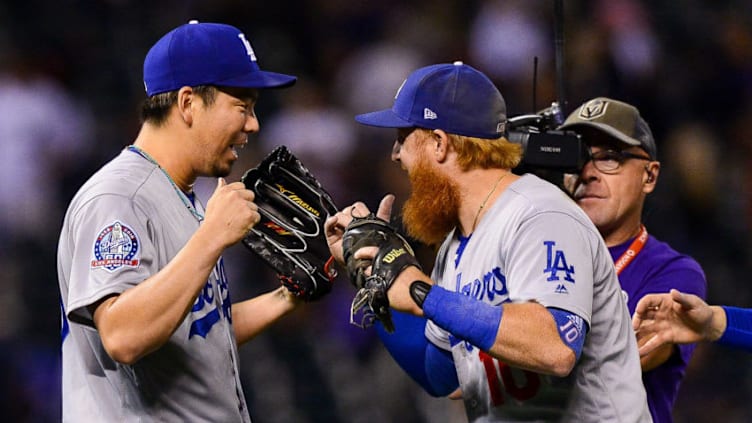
(383, 119)
(259, 79)
(604, 128)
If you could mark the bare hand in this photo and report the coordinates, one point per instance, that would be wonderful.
(231, 212)
(676, 318)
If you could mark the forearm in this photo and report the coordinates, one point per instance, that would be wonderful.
(503, 331)
(142, 318)
(251, 317)
(528, 339)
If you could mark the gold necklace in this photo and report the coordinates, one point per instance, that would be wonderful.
(483, 204)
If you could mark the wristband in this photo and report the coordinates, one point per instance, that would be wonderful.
(463, 316)
(418, 292)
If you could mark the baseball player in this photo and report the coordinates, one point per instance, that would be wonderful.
(149, 332)
(611, 189)
(681, 318)
(522, 316)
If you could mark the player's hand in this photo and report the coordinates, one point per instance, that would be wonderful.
(335, 225)
(676, 318)
(399, 292)
(231, 212)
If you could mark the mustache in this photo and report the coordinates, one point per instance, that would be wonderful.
(431, 211)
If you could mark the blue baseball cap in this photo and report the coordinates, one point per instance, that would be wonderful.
(206, 54)
(453, 97)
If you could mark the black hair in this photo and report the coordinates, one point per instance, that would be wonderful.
(155, 109)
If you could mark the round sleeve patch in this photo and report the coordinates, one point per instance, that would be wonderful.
(116, 246)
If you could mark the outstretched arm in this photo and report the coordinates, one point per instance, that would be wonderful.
(676, 318)
(503, 331)
(251, 317)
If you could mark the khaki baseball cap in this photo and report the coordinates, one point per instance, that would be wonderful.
(616, 118)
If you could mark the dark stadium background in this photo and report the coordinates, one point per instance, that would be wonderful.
(70, 88)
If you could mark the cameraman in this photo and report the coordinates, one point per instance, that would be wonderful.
(611, 188)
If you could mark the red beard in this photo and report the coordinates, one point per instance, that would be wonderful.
(431, 211)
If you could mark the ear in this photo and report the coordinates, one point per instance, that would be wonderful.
(652, 170)
(440, 145)
(185, 103)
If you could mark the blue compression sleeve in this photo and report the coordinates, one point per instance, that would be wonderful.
(463, 316)
(441, 371)
(431, 367)
(572, 329)
(738, 332)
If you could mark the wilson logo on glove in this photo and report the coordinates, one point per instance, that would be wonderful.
(393, 255)
(371, 302)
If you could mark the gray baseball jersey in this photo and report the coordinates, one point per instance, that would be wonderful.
(535, 244)
(124, 225)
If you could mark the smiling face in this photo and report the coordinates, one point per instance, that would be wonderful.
(614, 199)
(222, 128)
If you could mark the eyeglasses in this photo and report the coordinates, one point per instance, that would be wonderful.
(610, 161)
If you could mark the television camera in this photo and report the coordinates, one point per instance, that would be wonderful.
(544, 147)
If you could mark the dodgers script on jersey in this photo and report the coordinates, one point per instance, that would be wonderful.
(535, 244)
(124, 225)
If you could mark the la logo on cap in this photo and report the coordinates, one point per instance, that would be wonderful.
(248, 47)
(400, 89)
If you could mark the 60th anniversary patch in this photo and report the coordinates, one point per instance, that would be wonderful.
(116, 246)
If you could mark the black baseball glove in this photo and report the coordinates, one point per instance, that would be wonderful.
(394, 255)
(290, 236)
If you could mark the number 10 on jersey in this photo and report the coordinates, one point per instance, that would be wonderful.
(505, 380)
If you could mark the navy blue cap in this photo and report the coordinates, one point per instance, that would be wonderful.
(453, 97)
(206, 54)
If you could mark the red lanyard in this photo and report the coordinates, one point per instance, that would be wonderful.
(632, 251)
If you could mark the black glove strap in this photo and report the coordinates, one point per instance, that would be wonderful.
(418, 291)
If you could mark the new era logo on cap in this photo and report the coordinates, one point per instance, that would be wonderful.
(206, 54)
(453, 97)
(429, 114)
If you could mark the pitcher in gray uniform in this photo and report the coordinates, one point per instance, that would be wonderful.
(149, 330)
(522, 316)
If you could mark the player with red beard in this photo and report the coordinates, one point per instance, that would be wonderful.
(522, 315)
